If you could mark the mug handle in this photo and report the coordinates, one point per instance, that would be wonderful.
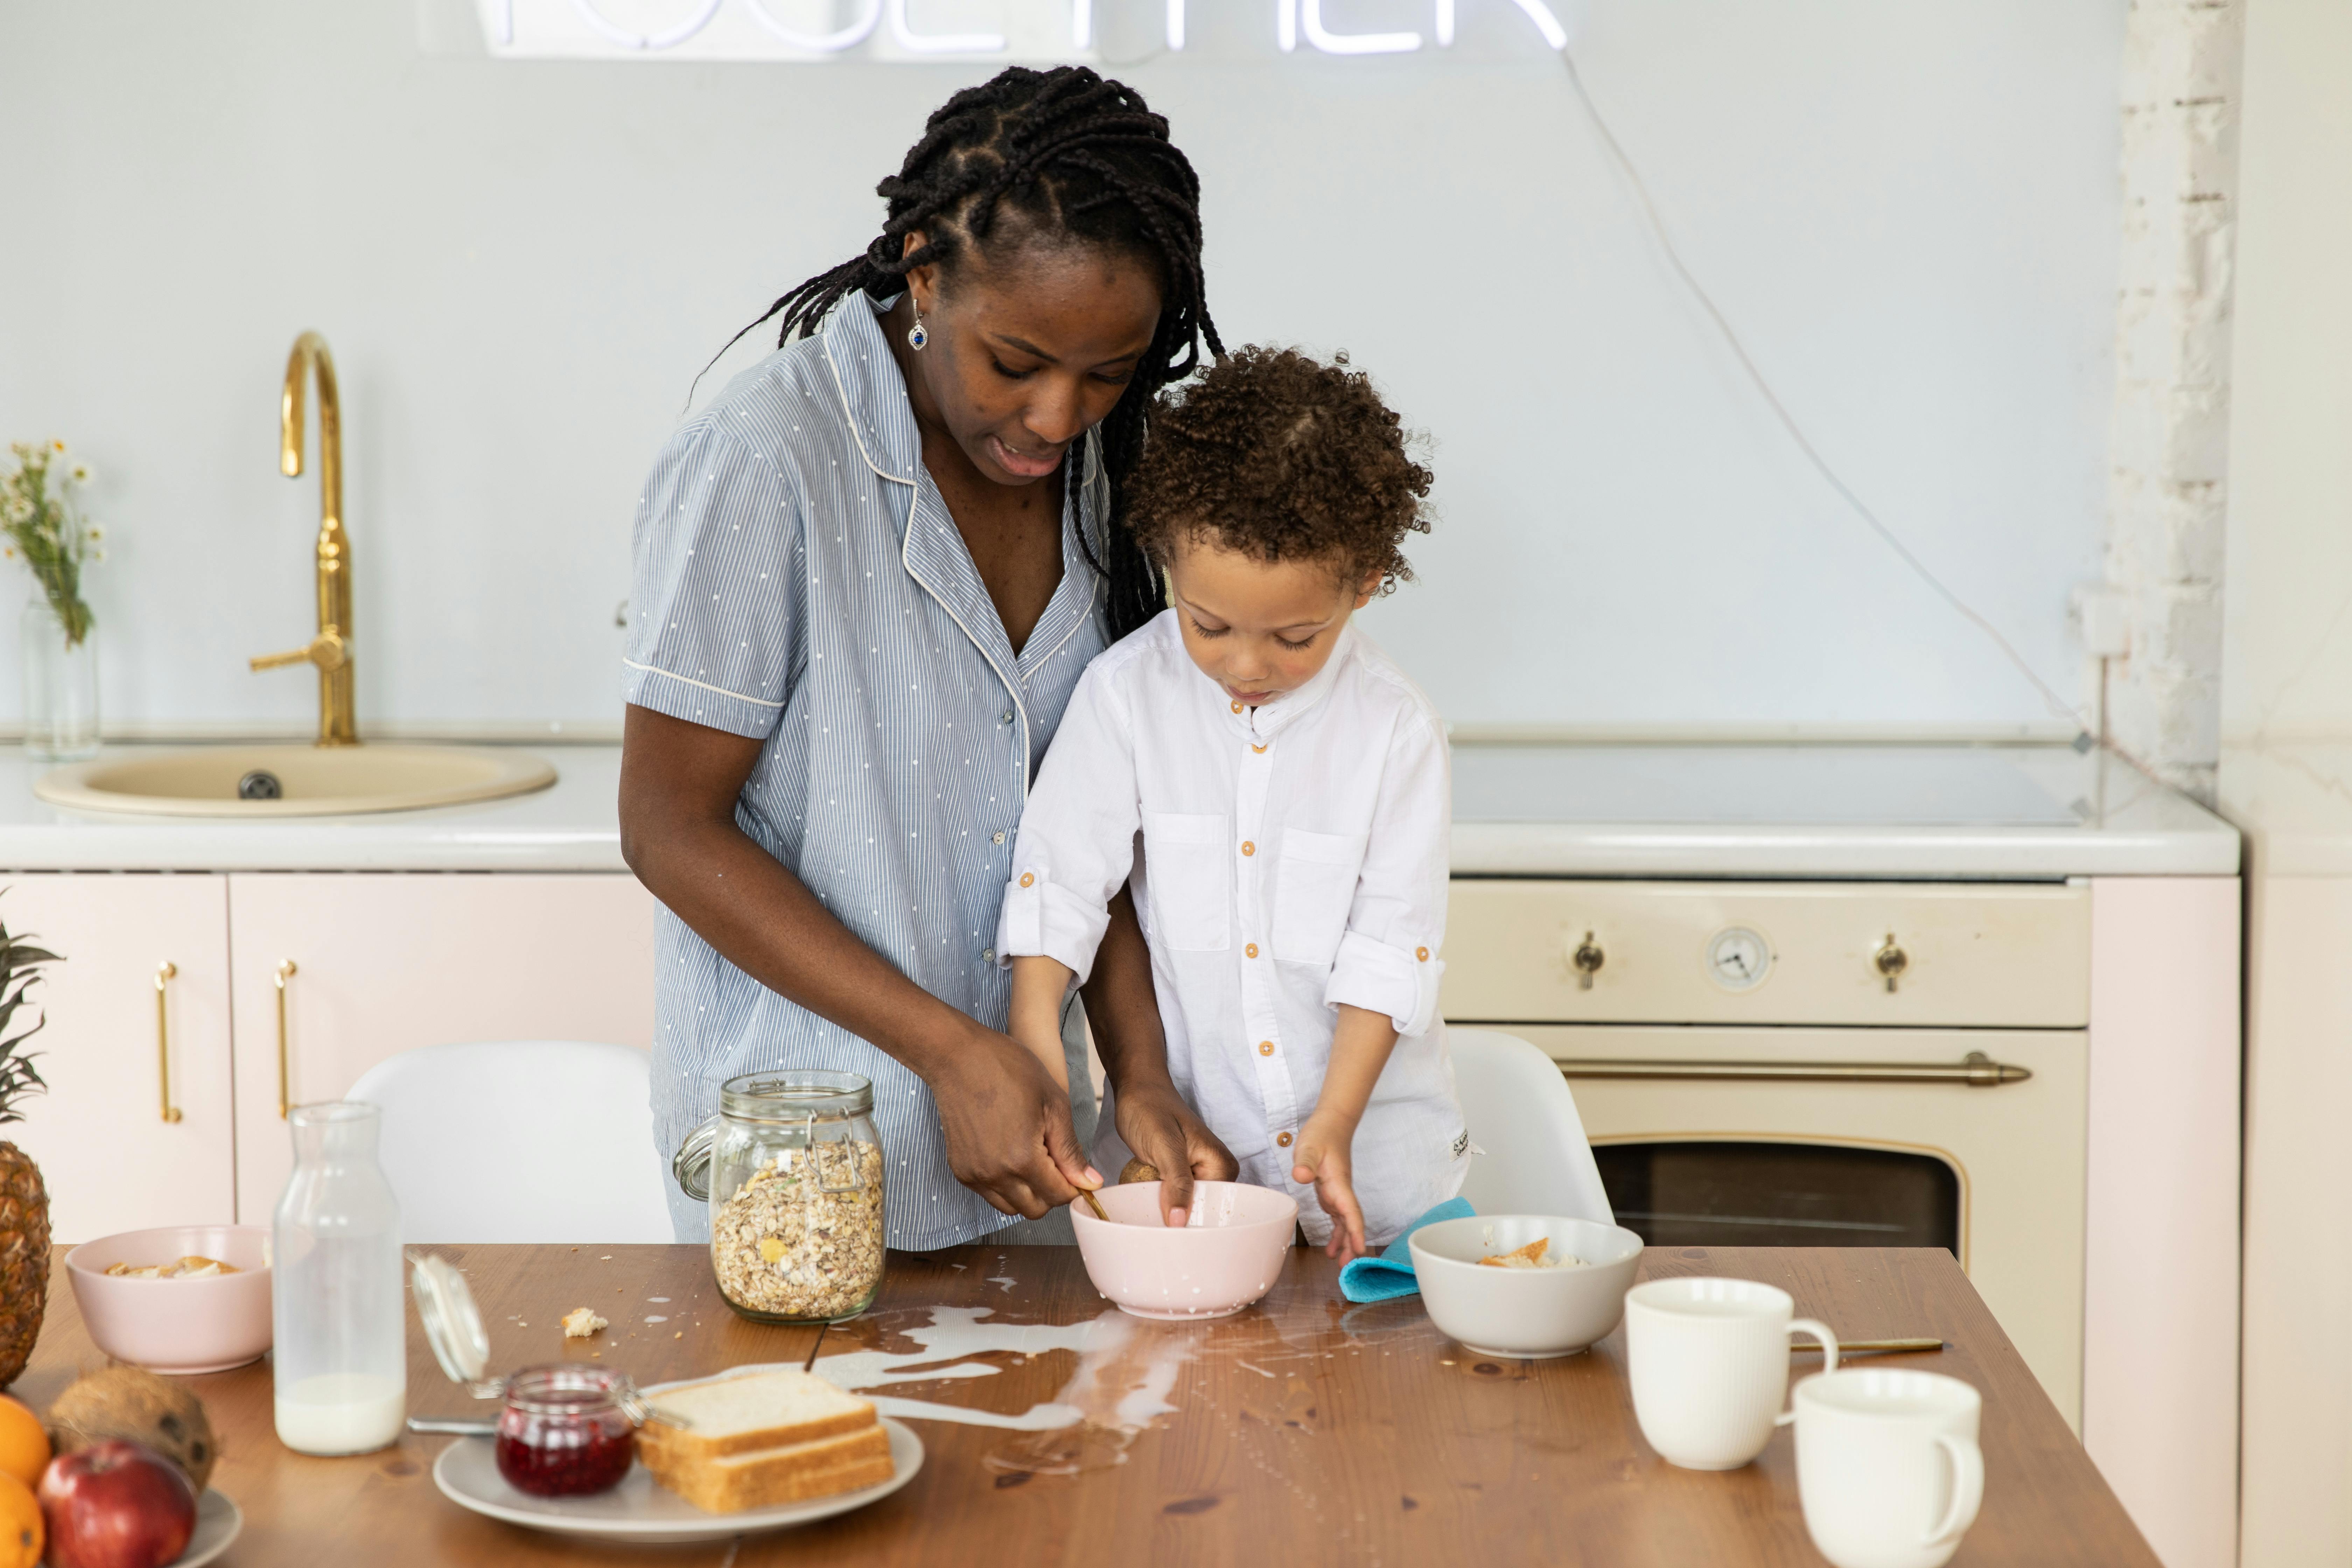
(1967, 1488)
(1820, 1331)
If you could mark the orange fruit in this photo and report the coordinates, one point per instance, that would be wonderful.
(22, 1534)
(24, 1444)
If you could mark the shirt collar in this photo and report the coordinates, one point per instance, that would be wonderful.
(1261, 724)
(873, 394)
(873, 400)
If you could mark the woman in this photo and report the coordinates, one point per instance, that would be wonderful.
(867, 578)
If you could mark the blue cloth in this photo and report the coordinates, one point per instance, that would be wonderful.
(800, 582)
(1389, 1275)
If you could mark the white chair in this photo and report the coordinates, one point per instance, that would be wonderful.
(1532, 1156)
(521, 1140)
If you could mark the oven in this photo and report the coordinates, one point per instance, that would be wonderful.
(1791, 1064)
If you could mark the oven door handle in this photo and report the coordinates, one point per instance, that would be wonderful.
(1975, 1070)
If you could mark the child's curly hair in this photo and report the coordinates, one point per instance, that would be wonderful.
(1273, 455)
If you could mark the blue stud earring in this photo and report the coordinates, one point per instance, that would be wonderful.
(917, 335)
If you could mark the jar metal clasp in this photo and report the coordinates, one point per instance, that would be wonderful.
(824, 1183)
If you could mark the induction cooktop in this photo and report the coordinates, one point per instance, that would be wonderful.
(1796, 786)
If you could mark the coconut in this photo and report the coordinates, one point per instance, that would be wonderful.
(131, 1403)
(1137, 1171)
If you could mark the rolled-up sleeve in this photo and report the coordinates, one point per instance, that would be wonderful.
(716, 596)
(1075, 845)
(1388, 960)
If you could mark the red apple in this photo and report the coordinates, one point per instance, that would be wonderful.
(116, 1505)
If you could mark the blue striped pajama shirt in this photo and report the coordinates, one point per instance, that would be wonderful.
(799, 581)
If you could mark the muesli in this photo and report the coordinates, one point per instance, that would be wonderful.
(803, 1237)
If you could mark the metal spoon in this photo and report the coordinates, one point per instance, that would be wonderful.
(1879, 1347)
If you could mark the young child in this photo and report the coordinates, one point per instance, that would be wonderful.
(1290, 791)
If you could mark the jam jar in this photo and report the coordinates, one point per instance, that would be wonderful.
(565, 1432)
(792, 1168)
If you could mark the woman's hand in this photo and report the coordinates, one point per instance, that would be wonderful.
(1161, 1130)
(1164, 1134)
(1008, 1127)
(1323, 1160)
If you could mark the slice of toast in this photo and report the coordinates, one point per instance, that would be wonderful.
(1532, 1256)
(759, 1411)
(763, 1477)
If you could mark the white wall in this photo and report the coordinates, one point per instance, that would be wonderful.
(2287, 631)
(1909, 208)
(2286, 771)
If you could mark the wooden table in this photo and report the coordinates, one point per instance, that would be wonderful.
(1305, 1430)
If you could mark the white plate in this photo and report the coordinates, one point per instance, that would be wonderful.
(467, 1474)
(217, 1523)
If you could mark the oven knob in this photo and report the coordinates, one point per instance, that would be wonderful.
(1587, 959)
(1891, 960)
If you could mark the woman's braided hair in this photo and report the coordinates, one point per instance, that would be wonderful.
(1078, 157)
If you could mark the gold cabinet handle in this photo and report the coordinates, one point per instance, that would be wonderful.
(285, 973)
(164, 971)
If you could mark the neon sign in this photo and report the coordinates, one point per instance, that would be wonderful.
(882, 30)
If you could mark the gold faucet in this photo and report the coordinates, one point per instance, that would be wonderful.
(330, 651)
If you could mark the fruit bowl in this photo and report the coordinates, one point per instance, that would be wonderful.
(177, 1326)
(1228, 1253)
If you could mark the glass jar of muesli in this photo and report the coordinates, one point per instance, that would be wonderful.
(793, 1170)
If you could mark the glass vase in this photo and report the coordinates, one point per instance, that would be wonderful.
(60, 687)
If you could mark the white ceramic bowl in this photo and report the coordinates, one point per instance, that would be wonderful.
(1229, 1252)
(179, 1326)
(1527, 1313)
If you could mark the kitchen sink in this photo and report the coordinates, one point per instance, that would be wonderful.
(293, 780)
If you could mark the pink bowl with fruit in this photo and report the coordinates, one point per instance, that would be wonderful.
(1228, 1253)
(180, 1325)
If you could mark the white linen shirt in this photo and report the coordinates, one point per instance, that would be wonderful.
(1293, 857)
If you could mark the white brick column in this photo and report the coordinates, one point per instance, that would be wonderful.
(2168, 438)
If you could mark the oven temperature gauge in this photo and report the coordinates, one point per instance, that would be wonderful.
(1738, 959)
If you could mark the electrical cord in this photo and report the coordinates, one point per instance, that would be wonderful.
(2059, 707)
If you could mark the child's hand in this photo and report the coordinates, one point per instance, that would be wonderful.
(1323, 1159)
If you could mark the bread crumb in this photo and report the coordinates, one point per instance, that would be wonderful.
(581, 1322)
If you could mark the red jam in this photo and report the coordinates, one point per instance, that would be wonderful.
(563, 1432)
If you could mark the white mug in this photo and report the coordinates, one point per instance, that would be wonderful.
(1710, 1365)
(1887, 1466)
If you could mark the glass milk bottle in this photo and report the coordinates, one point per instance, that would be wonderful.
(340, 1361)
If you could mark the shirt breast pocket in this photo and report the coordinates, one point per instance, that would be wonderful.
(1313, 891)
(1188, 865)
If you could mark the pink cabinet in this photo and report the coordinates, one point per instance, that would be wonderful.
(137, 1127)
(334, 972)
(378, 962)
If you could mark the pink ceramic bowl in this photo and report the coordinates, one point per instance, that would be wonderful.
(177, 1325)
(1228, 1254)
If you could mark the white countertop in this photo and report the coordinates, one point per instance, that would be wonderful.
(1952, 811)
(1995, 812)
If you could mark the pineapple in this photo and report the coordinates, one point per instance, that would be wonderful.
(24, 1201)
